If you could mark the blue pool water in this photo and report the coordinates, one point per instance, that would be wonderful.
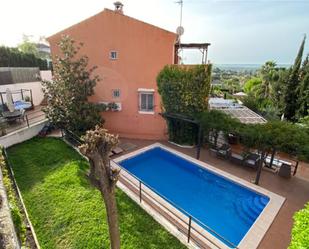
(221, 204)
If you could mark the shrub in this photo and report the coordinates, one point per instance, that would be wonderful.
(300, 231)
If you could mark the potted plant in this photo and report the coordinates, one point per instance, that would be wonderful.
(112, 106)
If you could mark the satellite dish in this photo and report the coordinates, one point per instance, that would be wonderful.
(180, 30)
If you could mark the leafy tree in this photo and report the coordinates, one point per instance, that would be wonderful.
(271, 112)
(251, 102)
(67, 95)
(213, 122)
(292, 86)
(97, 146)
(251, 84)
(233, 85)
(28, 47)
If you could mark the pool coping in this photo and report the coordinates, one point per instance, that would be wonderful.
(255, 234)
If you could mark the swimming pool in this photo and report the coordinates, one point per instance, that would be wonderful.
(215, 202)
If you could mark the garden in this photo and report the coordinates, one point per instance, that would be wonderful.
(64, 208)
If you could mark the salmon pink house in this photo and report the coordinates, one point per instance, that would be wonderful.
(129, 54)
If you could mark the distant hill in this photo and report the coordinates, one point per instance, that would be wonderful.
(243, 67)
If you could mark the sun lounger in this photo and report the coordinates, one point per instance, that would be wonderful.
(237, 159)
(117, 150)
(252, 160)
(224, 151)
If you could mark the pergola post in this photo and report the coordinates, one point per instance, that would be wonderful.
(199, 141)
(259, 170)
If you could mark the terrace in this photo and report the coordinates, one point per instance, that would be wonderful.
(20, 115)
(31, 117)
(295, 190)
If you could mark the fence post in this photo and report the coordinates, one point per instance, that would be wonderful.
(22, 94)
(140, 191)
(31, 99)
(189, 228)
(27, 120)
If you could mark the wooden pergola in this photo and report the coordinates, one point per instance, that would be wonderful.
(202, 47)
(191, 121)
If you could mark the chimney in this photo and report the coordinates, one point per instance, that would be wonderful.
(118, 7)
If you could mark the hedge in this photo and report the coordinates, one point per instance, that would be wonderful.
(300, 231)
(12, 57)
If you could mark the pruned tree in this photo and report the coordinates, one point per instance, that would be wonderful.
(67, 95)
(97, 145)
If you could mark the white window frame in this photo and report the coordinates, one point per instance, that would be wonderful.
(110, 55)
(142, 91)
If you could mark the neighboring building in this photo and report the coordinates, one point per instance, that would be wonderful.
(43, 48)
(129, 54)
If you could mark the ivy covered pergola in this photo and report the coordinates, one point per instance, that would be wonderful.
(183, 118)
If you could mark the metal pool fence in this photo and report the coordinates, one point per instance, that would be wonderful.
(188, 225)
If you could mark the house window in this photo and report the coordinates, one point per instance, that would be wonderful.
(116, 93)
(146, 102)
(113, 55)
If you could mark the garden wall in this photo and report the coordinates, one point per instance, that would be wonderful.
(8, 238)
(22, 135)
(35, 86)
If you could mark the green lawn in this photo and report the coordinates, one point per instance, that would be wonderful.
(66, 211)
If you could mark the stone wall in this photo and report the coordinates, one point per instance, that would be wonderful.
(8, 238)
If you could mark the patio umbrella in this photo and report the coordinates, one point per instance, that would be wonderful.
(9, 100)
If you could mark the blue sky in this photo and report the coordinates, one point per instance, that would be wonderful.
(240, 31)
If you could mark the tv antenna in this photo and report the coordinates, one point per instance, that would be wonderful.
(180, 30)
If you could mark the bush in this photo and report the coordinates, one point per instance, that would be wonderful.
(300, 231)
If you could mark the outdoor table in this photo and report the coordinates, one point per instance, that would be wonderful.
(276, 162)
(12, 116)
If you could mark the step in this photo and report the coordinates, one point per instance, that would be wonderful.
(242, 215)
(264, 200)
(247, 210)
(257, 203)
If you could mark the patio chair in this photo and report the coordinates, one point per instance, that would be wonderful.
(21, 118)
(237, 158)
(285, 170)
(252, 160)
(224, 151)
